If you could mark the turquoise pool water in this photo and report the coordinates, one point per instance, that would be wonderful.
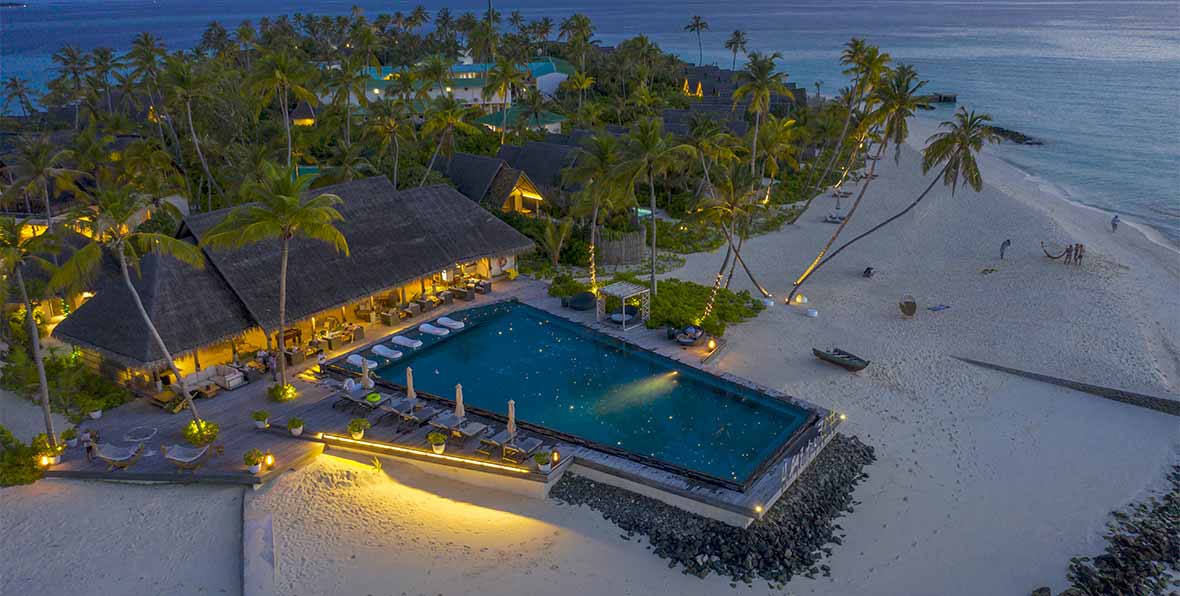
(573, 380)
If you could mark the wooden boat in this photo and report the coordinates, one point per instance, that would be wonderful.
(841, 358)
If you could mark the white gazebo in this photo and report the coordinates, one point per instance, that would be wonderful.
(624, 291)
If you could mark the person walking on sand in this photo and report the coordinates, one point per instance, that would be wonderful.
(1114, 224)
(1004, 246)
(1069, 254)
(1078, 251)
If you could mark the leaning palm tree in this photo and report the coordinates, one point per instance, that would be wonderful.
(728, 200)
(282, 76)
(387, 124)
(282, 209)
(444, 119)
(898, 99)
(109, 220)
(501, 80)
(757, 83)
(599, 192)
(698, 25)
(186, 86)
(103, 62)
(650, 153)
(953, 151)
(435, 70)
(344, 84)
(736, 43)
(18, 251)
(40, 165)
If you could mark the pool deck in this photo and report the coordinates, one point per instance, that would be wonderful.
(231, 410)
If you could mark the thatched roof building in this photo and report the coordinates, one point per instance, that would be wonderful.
(394, 237)
(489, 181)
(543, 162)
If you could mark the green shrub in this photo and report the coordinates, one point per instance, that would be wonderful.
(563, 285)
(294, 422)
(688, 236)
(74, 390)
(68, 434)
(252, 457)
(281, 393)
(576, 250)
(201, 433)
(18, 462)
(41, 446)
(357, 425)
(436, 438)
(260, 415)
(679, 303)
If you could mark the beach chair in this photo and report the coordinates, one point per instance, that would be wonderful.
(433, 330)
(189, 458)
(405, 342)
(118, 457)
(450, 323)
(520, 449)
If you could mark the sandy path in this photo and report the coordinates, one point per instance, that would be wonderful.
(24, 418)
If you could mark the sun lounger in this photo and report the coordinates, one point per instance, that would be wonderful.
(450, 323)
(189, 458)
(411, 420)
(385, 352)
(357, 359)
(118, 457)
(519, 450)
(432, 329)
(405, 342)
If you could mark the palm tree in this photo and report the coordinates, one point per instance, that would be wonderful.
(282, 76)
(576, 30)
(186, 86)
(18, 90)
(698, 25)
(580, 82)
(40, 165)
(103, 62)
(757, 83)
(18, 251)
(736, 43)
(72, 67)
(109, 222)
(244, 35)
(282, 209)
(553, 237)
(953, 152)
(501, 80)
(344, 83)
(592, 170)
(897, 100)
(345, 164)
(713, 144)
(435, 70)
(146, 58)
(729, 199)
(445, 118)
(388, 123)
(650, 153)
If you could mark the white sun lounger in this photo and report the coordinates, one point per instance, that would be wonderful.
(450, 323)
(405, 342)
(385, 352)
(356, 360)
(433, 330)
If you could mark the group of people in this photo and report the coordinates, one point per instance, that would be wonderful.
(1074, 254)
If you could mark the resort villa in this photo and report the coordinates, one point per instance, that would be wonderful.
(468, 80)
(492, 183)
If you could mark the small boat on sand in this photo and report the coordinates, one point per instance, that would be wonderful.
(841, 358)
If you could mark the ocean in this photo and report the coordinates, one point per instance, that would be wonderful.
(1098, 82)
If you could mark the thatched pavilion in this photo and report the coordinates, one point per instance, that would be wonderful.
(403, 244)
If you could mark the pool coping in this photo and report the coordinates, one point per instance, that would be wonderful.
(793, 444)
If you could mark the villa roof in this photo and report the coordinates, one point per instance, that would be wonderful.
(543, 162)
(189, 307)
(472, 174)
(394, 237)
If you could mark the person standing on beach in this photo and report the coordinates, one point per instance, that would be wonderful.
(1004, 246)
(1069, 254)
(1078, 251)
(1114, 224)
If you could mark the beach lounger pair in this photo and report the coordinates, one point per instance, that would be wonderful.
(458, 428)
(508, 448)
(118, 458)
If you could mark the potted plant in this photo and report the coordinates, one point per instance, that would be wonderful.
(281, 393)
(70, 436)
(201, 433)
(253, 460)
(357, 428)
(47, 455)
(261, 418)
(544, 461)
(438, 441)
(295, 425)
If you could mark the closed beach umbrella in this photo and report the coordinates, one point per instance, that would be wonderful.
(366, 380)
(459, 411)
(512, 417)
(410, 383)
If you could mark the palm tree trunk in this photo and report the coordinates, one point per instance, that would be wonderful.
(397, 149)
(504, 116)
(48, 214)
(720, 274)
(701, 49)
(754, 146)
(839, 147)
(734, 66)
(188, 107)
(348, 118)
(283, 311)
(38, 358)
(651, 185)
(737, 257)
(287, 125)
(847, 218)
(593, 246)
(147, 320)
(430, 166)
(886, 222)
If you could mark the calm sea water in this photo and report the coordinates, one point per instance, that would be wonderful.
(1099, 82)
(565, 377)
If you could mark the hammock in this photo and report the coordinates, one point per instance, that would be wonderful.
(1046, 251)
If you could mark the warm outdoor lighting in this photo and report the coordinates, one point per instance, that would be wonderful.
(712, 345)
(269, 460)
(757, 509)
(44, 461)
(376, 91)
(304, 122)
(415, 451)
(555, 456)
(800, 299)
(843, 417)
(448, 89)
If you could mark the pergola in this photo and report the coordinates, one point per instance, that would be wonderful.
(624, 291)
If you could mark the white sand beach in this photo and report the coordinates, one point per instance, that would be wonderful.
(985, 483)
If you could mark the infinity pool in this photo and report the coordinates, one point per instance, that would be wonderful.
(575, 381)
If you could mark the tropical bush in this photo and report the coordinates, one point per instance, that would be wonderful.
(74, 389)
(201, 432)
(679, 303)
(436, 438)
(260, 415)
(252, 457)
(294, 422)
(542, 457)
(687, 236)
(357, 425)
(281, 393)
(18, 462)
(564, 285)
(69, 434)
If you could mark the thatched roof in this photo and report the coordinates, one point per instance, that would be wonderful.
(679, 122)
(189, 307)
(472, 174)
(393, 237)
(543, 162)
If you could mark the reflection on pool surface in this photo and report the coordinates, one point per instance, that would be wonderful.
(576, 381)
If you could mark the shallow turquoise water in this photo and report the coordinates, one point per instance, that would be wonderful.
(576, 381)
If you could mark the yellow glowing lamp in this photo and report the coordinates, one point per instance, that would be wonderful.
(843, 417)
(555, 456)
(44, 461)
(757, 509)
(800, 299)
(712, 344)
(269, 460)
